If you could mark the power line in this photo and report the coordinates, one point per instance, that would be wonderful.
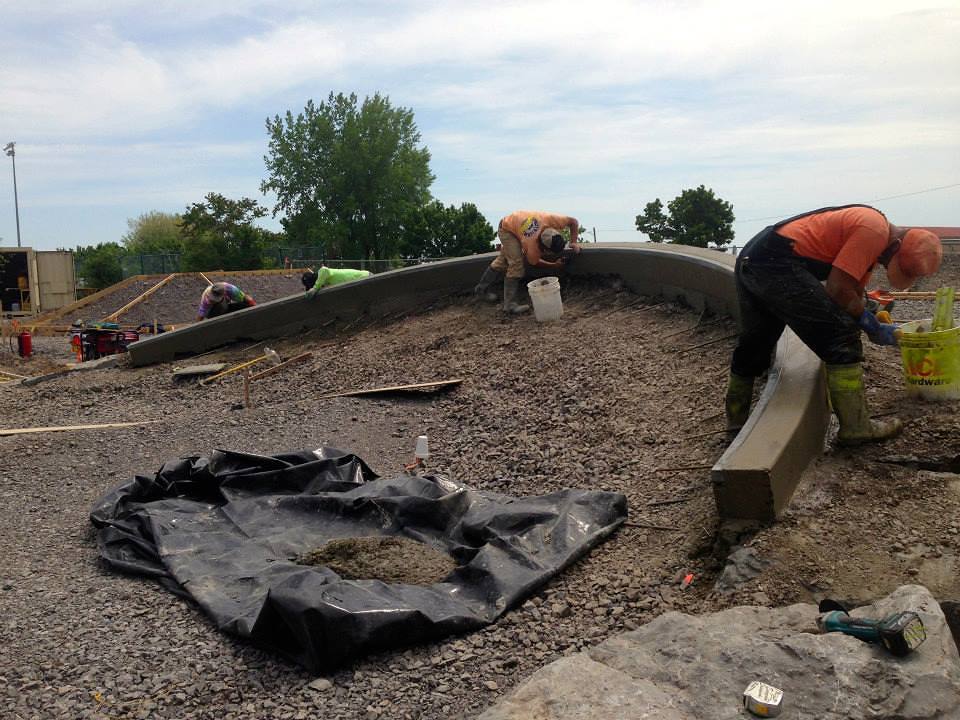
(889, 197)
(777, 217)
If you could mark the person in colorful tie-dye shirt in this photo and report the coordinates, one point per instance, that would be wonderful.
(222, 298)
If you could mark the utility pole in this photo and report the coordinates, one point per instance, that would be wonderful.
(594, 234)
(9, 150)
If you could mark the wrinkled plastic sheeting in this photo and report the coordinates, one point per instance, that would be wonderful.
(225, 530)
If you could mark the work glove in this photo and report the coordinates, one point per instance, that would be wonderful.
(878, 332)
(311, 294)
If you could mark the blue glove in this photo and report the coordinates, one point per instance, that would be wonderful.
(878, 332)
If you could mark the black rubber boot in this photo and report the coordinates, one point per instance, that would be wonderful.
(511, 288)
(845, 384)
(482, 290)
(737, 401)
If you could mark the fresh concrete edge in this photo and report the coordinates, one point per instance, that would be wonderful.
(754, 478)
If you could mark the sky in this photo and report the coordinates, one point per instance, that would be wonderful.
(120, 108)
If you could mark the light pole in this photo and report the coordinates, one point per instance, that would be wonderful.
(8, 149)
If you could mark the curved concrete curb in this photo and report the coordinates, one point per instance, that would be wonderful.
(759, 471)
(755, 476)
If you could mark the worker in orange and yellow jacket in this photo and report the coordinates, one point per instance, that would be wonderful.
(528, 239)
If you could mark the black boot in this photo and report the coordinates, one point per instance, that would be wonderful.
(483, 288)
(511, 288)
(737, 401)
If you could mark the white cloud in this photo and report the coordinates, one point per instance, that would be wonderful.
(612, 99)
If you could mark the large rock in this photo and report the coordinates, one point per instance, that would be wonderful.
(683, 666)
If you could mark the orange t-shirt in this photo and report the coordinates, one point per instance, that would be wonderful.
(528, 225)
(850, 239)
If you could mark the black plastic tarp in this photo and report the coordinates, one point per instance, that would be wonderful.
(225, 530)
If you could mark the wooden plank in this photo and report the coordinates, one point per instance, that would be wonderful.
(61, 428)
(395, 388)
(140, 298)
(277, 368)
(13, 375)
(192, 370)
(58, 313)
(234, 369)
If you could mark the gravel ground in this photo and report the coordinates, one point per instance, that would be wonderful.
(604, 399)
(177, 301)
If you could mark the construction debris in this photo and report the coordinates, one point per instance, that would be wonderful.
(437, 385)
(62, 428)
(235, 368)
(277, 368)
(194, 370)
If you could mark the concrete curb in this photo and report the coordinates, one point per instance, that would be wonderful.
(755, 476)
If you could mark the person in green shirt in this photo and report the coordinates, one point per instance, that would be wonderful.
(326, 277)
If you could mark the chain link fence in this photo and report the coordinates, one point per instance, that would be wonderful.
(150, 264)
(280, 257)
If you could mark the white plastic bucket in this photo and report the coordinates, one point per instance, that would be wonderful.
(545, 295)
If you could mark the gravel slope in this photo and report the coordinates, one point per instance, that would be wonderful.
(604, 399)
(572, 404)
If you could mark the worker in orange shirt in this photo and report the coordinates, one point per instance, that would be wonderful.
(528, 239)
(809, 273)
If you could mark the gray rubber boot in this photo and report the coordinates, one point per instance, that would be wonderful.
(511, 288)
(483, 289)
(845, 384)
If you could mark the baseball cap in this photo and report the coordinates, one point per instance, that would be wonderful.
(309, 279)
(919, 256)
(552, 239)
(216, 291)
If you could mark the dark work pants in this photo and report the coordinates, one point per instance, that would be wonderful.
(777, 288)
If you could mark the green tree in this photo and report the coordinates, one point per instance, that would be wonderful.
(219, 234)
(351, 176)
(99, 266)
(695, 217)
(154, 233)
(438, 231)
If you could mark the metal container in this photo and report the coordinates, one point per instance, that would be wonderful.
(763, 700)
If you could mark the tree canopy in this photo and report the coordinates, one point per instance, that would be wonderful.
(154, 233)
(439, 231)
(99, 266)
(695, 217)
(347, 175)
(219, 233)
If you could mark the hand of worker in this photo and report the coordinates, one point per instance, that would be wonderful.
(311, 294)
(878, 332)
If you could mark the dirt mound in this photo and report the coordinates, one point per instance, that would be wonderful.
(390, 559)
